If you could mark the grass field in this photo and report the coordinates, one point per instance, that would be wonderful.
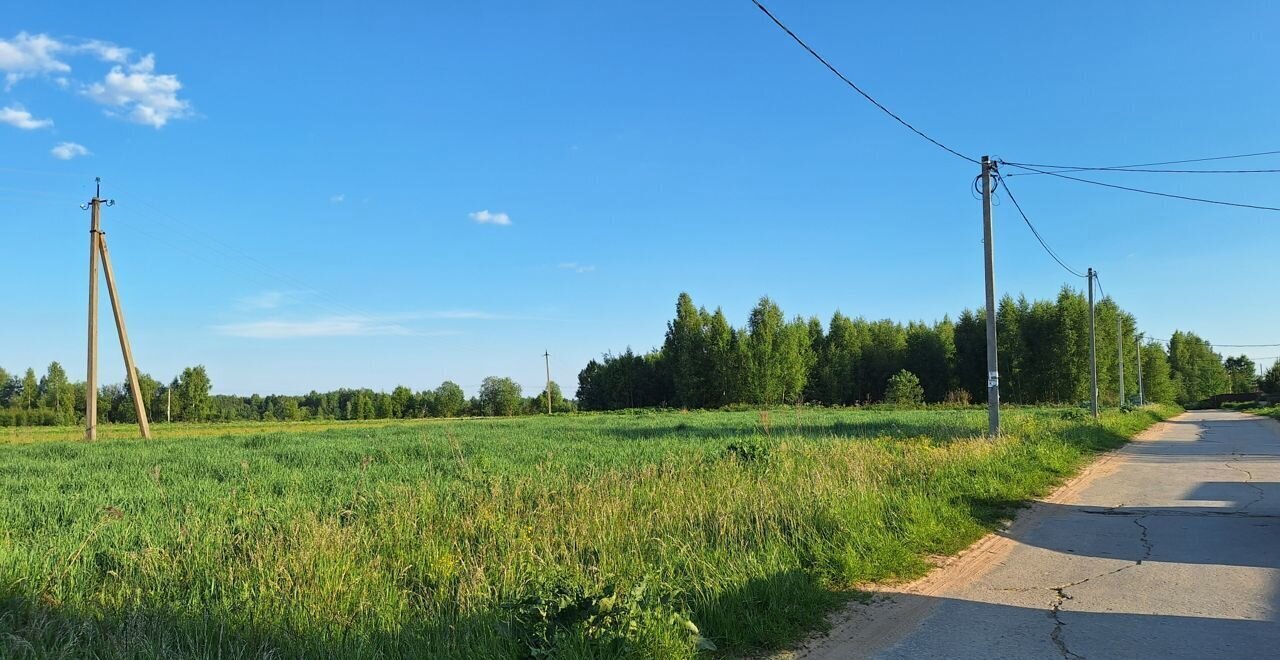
(588, 536)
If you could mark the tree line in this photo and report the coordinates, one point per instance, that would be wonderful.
(705, 362)
(54, 400)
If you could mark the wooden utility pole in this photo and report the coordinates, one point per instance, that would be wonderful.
(98, 247)
(1093, 350)
(546, 356)
(993, 362)
(135, 388)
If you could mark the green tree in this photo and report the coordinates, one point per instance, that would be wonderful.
(1157, 381)
(971, 354)
(449, 400)
(1270, 381)
(721, 381)
(685, 347)
(29, 398)
(904, 389)
(1195, 368)
(55, 394)
(499, 397)
(1241, 374)
(401, 402)
(929, 353)
(191, 394)
(558, 403)
(778, 356)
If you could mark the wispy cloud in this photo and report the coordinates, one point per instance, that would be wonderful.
(268, 300)
(16, 115)
(338, 198)
(331, 326)
(487, 218)
(576, 267)
(347, 325)
(68, 150)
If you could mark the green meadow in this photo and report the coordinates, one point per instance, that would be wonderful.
(625, 535)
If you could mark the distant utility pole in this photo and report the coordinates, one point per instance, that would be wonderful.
(993, 362)
(168, 405)
(98, 247)
(1120, 351)
(1093, 349)
(1142, 397)
(546, 356)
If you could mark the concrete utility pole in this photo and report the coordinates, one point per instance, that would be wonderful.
(1093, 350)
(1142, 397)
(98, 248)
(546, 356)
(91, 375)
(993, 362)
(168, 404)
(1120, 350)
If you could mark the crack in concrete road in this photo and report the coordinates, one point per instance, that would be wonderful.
(1061, 596)
(1248, 480)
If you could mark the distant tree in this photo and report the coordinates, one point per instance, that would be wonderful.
(764, 354)
(538, 404)
(929, 353)
(55, 394)
(499, 397)
(401, 404)
(1195, 368)
(904, 389)
(1270, 381)
(191, 394)
(29, 398)
(1157, 381)
(720, 384)
(685, 347)
(1241, 374)
(971, 354)
(448, 400)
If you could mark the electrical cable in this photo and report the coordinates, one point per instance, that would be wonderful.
(1131, 168)
(1144, 191)
(855, 87)
(1035, 232)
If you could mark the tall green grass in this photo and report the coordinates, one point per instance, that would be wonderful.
(592, 536)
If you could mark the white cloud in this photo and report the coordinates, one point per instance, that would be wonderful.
(105, 51)
(147, 97)
(576, 267)
(486, 218)
(332, 326)
(268, 300)
(338, 198)
(68, 150)
(28, 55)
(15, 115)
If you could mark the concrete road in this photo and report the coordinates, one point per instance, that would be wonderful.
(1169, 548)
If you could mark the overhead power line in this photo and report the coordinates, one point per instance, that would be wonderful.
(855, 87)
(1142, 190)
(1132, 168)
(1035, 232)
(1138, 170)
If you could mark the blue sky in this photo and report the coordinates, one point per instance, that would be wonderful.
(361, 195)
